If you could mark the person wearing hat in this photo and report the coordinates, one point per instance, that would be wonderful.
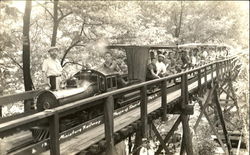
(160, 65)
(52, 69)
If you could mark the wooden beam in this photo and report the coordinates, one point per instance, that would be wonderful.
(221, 117)
(163, 144)
(18, 97)
(184, 91)
(203, 108)
(205, 76)
(164, 99)
(138, 142)
(199, 83)
(109, 125)
(170, 133)
(183, 147)
(187, 135)
(213, 129)
(217, 71)
(212, 72)
(54, 134)
(144, 111)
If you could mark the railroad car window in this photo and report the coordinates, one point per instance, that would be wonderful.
(114, 81)
(109, 83)
(102, 84)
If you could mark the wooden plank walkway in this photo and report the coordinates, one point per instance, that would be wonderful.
(83, 141)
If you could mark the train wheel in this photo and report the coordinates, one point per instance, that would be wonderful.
(39, 133)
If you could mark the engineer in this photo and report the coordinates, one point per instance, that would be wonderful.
(52, 69)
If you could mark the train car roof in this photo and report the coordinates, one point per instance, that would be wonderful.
(95, 71)
(197, 45)
(114, 46)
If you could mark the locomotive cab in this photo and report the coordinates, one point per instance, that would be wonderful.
(111, 82)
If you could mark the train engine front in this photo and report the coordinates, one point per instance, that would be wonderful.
(83, 84)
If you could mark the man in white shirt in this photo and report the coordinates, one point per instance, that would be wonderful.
(160, 66)
(52, 69)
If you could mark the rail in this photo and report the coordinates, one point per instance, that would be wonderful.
(52, 115)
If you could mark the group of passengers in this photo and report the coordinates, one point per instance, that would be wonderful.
(171, 62)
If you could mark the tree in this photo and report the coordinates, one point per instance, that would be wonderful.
(26, 47)
(56, 21)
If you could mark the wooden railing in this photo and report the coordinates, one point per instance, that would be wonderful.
(52, 115)
(25, 97)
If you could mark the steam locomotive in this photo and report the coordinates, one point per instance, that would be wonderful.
(84, 84)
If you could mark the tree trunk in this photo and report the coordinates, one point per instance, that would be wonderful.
(178, 29)
(26, 47)
(55, 23)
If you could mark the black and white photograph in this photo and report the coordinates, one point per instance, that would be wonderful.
(130, 77)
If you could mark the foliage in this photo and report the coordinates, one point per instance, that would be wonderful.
(202, 142)
(242, 91)
(90, 25)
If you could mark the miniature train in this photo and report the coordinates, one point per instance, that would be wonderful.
(89, 82)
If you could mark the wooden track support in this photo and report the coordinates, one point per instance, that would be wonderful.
(144, 112)
(168, 136)
(164, 99)
(109, 125)
(54, 134)
(222, 121)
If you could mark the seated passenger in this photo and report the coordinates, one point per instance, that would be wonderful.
(170, 64)
(204, 56)
(185, 60)
(160, 66)
(193, 56)
(109, 66)
(151, 70)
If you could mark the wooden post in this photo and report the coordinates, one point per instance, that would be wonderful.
(187, 138)
(223, 69)
(217, 71)
(54, 134)
(164, 99)
(138, 142)
(109, 125)
(1, 115)
(229, 147)
(199, 82)
(212, 72)
(129, 144)
(205, 77)
(183, 148)
(144, 112)
(184, 91)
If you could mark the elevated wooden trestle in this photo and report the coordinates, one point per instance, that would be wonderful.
(208, 83)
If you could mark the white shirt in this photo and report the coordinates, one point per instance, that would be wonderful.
(160, 67)
(52, 67)
(194, 60)
(205, 54)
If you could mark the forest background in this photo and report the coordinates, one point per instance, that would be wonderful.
(81, 28)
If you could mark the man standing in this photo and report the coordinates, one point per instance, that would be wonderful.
(52, 70)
